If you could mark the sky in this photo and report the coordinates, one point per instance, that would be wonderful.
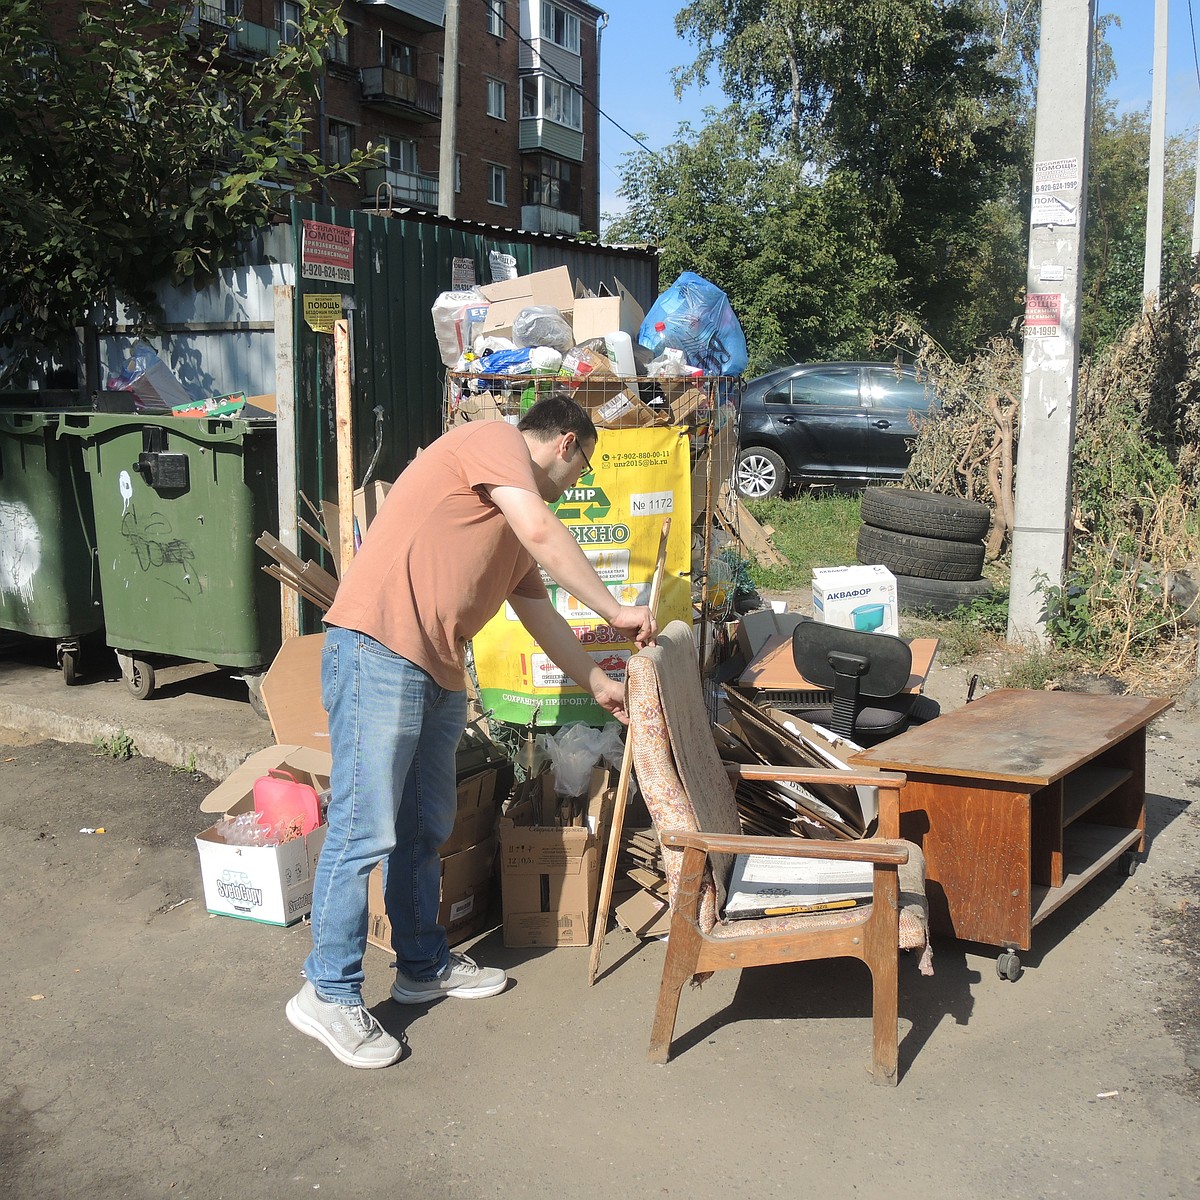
(639, 47)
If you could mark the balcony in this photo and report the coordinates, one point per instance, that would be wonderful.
(411, 189)
(542, 134)
(253, 41)
(426, 15)
(415, 99)
(539, 218)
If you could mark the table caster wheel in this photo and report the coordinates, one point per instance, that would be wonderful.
(1008, 966)
(1129, 862)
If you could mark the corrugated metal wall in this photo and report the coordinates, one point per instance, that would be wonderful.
(402, 263)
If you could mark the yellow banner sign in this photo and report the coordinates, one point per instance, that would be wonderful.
(616, 513)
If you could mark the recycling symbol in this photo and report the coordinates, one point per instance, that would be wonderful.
(583, 504)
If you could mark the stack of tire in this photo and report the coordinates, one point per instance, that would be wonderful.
(932, 544)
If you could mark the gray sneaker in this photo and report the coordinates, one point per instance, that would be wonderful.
(348, 1030)
(463, 978)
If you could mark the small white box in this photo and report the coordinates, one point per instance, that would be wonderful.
(862, 598)
(270, 884)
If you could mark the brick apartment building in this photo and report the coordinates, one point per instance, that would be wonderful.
(528, 126)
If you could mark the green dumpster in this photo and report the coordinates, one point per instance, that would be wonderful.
(179, 502)
(49, 587)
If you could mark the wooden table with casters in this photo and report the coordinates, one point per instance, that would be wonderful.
(1018, 800)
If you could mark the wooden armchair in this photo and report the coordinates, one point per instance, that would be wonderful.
(689, 793)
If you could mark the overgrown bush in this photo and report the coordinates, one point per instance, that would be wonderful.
(1129, 595)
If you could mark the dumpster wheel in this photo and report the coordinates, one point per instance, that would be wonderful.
(138, 675)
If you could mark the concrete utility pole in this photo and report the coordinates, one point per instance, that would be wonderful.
(1053, 291)
(449, 137)
(1152, 274)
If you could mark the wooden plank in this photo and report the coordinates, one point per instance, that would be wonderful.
(345, 442)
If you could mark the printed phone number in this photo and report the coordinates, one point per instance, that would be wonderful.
(325, 271)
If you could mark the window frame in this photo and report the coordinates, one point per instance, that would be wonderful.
(333, 136)
(497, 89)
(570, 26)
(497, 172)
(495, 18)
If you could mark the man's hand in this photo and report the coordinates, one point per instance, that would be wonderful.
(610, 695)
(637, 621)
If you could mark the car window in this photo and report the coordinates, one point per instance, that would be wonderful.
(900, 393)
(836, 387)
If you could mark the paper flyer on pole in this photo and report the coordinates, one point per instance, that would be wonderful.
(616, 513)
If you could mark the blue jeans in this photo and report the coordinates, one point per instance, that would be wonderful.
(393, 733)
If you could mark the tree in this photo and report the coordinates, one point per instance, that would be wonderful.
(798, 259)
(137, 151)
(911, 99)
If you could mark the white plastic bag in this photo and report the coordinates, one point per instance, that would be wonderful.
(575, 749)
(457, 318)
(542, 325)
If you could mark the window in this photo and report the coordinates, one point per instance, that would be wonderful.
(497, 184)
(402, 57)
(401, 154)
(495, 98)
(835, 386)
(560, 27)
(495, 18)
(899, 392)
(562, 103)
(337, 49)
(341, 142)
(287, 20)
(542, 96)
(551, 182)
(457, 173)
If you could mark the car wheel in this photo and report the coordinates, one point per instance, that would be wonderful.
(942, 596)
(760, 474)
(930, 558)
(910, 510)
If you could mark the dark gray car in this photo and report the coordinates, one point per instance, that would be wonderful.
(833, 423)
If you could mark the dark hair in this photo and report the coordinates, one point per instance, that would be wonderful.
(557, 414)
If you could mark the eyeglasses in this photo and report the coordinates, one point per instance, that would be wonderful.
(587, 462)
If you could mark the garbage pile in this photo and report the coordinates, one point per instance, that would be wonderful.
(513, 341)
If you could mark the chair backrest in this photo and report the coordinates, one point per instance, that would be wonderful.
(679, 770)
(851, 664)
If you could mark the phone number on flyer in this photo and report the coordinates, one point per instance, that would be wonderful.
(325, 271)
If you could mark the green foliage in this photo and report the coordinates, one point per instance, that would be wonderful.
(119, 747)
(798, 259)
(816, 529)
(135, 152)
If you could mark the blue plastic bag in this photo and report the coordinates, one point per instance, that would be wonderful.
(698, 319)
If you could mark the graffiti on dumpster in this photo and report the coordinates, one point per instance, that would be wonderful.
(20, 550)
(155, 548)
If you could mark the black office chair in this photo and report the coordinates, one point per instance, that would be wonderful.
(867, 674)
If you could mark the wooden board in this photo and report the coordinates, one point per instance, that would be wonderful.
(1033, 738)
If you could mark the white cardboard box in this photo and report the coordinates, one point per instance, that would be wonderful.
(270, 884)
(858, 597)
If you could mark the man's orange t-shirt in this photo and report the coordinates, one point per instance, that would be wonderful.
(440, 558)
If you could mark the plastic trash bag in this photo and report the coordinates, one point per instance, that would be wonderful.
(575, 749)
(457, 318)
(697, 319)
(154, 386)
(542, 325)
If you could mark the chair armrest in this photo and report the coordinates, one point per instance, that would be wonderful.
(884, 779)
(875, 850)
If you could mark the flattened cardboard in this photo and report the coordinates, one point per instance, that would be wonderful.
(508, 297)
(291, 692)
(595, 316)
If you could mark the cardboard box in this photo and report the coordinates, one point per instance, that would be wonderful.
(595, 316)
(858, 597)
(269, 884)
(550, 874)
(509, 296)
(466, 896)
(478, 810)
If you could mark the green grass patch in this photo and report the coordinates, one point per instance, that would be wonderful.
(816, 529)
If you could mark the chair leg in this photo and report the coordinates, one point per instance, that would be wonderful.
(885, 1016)
(676, 971)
